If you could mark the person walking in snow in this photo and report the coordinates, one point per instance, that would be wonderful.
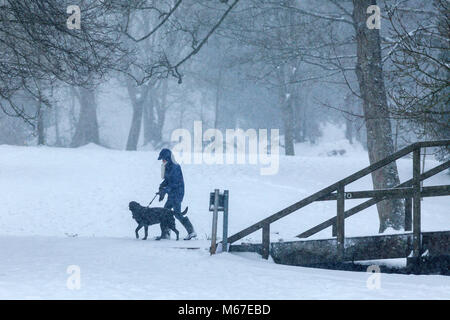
(173, 185)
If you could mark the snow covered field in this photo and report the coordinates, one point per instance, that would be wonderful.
(62, 207)
(34, 267)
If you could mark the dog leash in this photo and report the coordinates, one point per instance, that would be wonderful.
(152, 200)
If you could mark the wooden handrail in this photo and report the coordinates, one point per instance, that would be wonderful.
(393, 193)
(371, 202)
(328, 190)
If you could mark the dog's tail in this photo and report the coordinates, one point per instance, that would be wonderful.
(185, 211)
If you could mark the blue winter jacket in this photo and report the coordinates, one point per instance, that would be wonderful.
(173, 183)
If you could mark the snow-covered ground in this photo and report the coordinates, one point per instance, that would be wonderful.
(35, 267)
(62, 207)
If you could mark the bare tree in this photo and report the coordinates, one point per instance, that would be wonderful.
(274, 33)
(369, 71)
(419, 76)
(166, 34)
(36, 45)
(345, 30)
(87, 130)
(138, 96)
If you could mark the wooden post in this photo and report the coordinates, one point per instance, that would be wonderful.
(266, 241)
(408, 214)
(417, 245)
(333, 229)
(225, 221)
(340, 221)
(212, 250)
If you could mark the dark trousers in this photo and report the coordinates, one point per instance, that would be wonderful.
(176, 207)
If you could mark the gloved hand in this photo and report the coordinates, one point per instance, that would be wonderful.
(161, 194)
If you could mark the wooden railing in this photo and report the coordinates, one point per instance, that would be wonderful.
(410, 190)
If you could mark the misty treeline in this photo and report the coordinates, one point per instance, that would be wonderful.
(287, 64)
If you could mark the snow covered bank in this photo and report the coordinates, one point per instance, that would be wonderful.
(125, 268)
(54, 192)
(63, 207)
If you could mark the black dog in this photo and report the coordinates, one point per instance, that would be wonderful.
(148, 216)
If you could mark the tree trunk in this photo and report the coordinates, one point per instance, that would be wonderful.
(349, 119)
(288, 121)
(379, 132)
(149, 120)
(40, 124)
(57, 131)
(135, 128)
(72, 118)
(349, 130)
(287, 112)
(161, 109)
(56, 119)
(87, 127)
(138, 96)
(218, 96)
(298, 103)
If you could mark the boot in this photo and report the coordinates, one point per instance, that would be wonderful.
(165, 234)
(189, 228)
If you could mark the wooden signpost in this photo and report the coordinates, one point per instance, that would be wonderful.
(219, 202)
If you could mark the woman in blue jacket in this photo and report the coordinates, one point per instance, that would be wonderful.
(173, 185)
